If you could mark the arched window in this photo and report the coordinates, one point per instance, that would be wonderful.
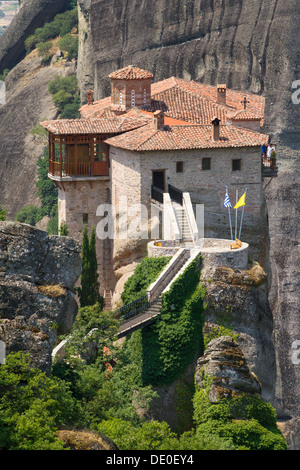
(132, 98)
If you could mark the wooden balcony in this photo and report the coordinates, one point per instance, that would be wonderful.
(80, 156)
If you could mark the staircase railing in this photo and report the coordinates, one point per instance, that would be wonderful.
(157, 194)
(175, 194)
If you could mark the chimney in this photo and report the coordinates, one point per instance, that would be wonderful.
(221, 94)
(216, 129)
(90, 97)
(159, 120)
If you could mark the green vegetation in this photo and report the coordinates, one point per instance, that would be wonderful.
(171, 343)
(247, 422)
(64, 91)
(89, 291)
(69, 44)
(145, 273)
(28, 215)
(61, 25)
(63, 229)
(2, 214)
(47, 192)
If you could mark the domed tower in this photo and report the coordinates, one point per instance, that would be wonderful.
(130, 86)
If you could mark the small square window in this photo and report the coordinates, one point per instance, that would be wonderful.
(236, 165)
(179, 167)
(85, 219)
(206, 163)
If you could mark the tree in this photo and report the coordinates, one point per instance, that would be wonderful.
(63, 230)
(89, 290)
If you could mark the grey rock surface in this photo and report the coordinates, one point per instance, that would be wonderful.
(32, 15)
(37, 277)
(225, 363)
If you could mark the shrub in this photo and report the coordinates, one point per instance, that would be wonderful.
(32, 406)
(69, 44)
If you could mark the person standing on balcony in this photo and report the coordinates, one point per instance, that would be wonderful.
(270, 150)
(263, 151)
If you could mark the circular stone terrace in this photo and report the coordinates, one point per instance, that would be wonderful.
(215, 252)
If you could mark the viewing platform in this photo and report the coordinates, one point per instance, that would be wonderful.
(269, 167)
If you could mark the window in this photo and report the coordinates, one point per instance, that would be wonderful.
(85, 219)
(206, 163)
(100, 152)
(120, 98)
(145, 97)
(132, 98)
(179, 167)
(236, 165)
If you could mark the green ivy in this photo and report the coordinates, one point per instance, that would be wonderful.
(171, 343)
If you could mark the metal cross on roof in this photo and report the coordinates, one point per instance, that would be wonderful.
(245, 102)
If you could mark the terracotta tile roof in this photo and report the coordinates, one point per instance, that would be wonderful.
(149, 138)
(244, 115)
(188, 101)
(93, 126)
(186, 106)
(130, 73)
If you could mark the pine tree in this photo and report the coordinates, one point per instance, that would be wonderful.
(89, 290)
(95, 286)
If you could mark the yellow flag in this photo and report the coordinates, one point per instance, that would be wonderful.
(241, 202)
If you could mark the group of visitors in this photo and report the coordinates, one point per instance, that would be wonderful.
(266, 151)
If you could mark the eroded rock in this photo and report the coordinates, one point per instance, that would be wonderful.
(37, 276)
(225, 363)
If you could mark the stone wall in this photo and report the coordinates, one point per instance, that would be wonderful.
(132, 177)
(78, 202)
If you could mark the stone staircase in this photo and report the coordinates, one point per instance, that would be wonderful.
(186, 239)
(154, 294)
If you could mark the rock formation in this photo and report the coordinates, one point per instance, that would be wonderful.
(225, 362)
(37, 276)
(239, 299)
(86, 440)
(32, 15)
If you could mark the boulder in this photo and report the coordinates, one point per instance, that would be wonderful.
(37, 277)
(225, 363)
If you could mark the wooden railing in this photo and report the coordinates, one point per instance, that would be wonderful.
(79, 169)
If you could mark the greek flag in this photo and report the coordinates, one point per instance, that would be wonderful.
(227, 201)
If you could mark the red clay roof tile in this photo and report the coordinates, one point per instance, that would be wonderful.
(149, 138)
(130, 73)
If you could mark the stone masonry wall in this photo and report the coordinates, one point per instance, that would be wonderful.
(205, 187)
(78, 203)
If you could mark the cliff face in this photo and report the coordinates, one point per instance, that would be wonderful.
(33, 14)
(37, 277)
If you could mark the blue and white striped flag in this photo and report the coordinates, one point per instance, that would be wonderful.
(227, 202)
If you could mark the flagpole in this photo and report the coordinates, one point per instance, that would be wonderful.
(229, 213)
(237, 198)
(242, 214)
